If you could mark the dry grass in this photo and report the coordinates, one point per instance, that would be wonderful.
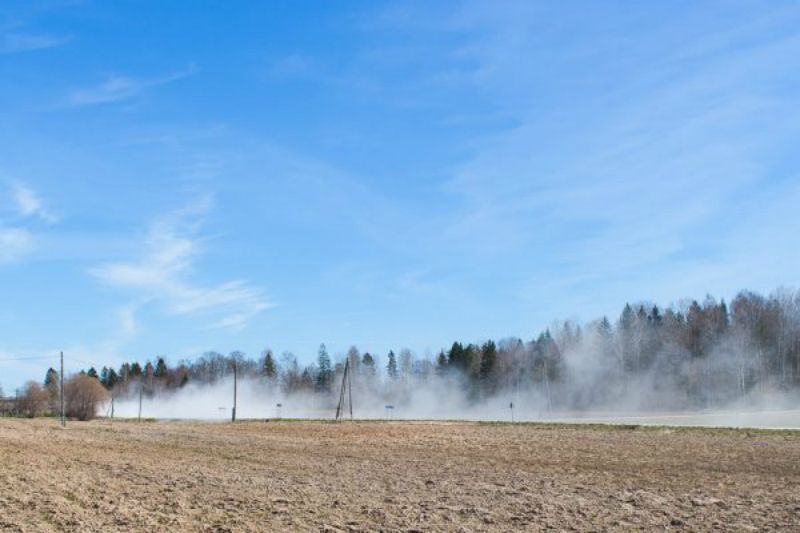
(257, 476)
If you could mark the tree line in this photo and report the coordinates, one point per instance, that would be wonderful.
(694, 354)
(83, 395)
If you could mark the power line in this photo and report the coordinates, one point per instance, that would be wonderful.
(36, 358)
(46, 357)
(82, 361)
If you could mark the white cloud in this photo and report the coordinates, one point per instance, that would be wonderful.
(29, 204)
(14, 243)
(680, 143)
(163, 275)
(616, 164)
(127, 320)
(117, 88)
(25, 42)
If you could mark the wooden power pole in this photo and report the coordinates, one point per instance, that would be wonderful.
(233, 411)
(61, 392)
(348, 386)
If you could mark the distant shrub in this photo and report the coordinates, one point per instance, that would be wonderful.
(33, 400)
(83, 395)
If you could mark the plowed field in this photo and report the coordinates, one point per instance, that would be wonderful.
(397, 476)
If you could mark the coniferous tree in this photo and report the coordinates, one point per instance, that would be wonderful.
(488, 359)
(605, 327)
(455, 357)
(161, 370)
(324, 370)
(391, 366)
(112, 379)
(124, 373)
(441, 362)
(269, 369)
(147, 377)
(368, 364)
(51, 380)
(51, 385)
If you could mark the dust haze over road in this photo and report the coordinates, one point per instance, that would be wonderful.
(691, 363)
(444, 400)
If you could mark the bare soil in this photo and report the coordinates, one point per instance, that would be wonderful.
(393, 476)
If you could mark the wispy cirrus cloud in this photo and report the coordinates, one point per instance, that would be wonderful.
(17, 240)
(117, 88)
(30, 204)
(163, 275)
(625, 149)
(14, 244)
(11, 43)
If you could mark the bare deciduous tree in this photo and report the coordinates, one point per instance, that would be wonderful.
(33, 400)
(83, 396)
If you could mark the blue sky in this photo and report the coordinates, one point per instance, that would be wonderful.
(177, 177)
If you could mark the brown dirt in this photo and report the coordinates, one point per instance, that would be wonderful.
(398, 476)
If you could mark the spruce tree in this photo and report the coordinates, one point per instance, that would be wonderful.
(161, 368)
(488, 358)
(124, 375)
(269, 370)
(605, 328)
(324, 372)
(368, 362)
(456, 356)
(391, 366)
(112, 379)
(51, 385)
(51, 378)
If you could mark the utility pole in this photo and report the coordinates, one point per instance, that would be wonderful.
(61, 392)
(141, 386)
(350, 386)
(346, 384)
(547, 389)
(233, 411)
